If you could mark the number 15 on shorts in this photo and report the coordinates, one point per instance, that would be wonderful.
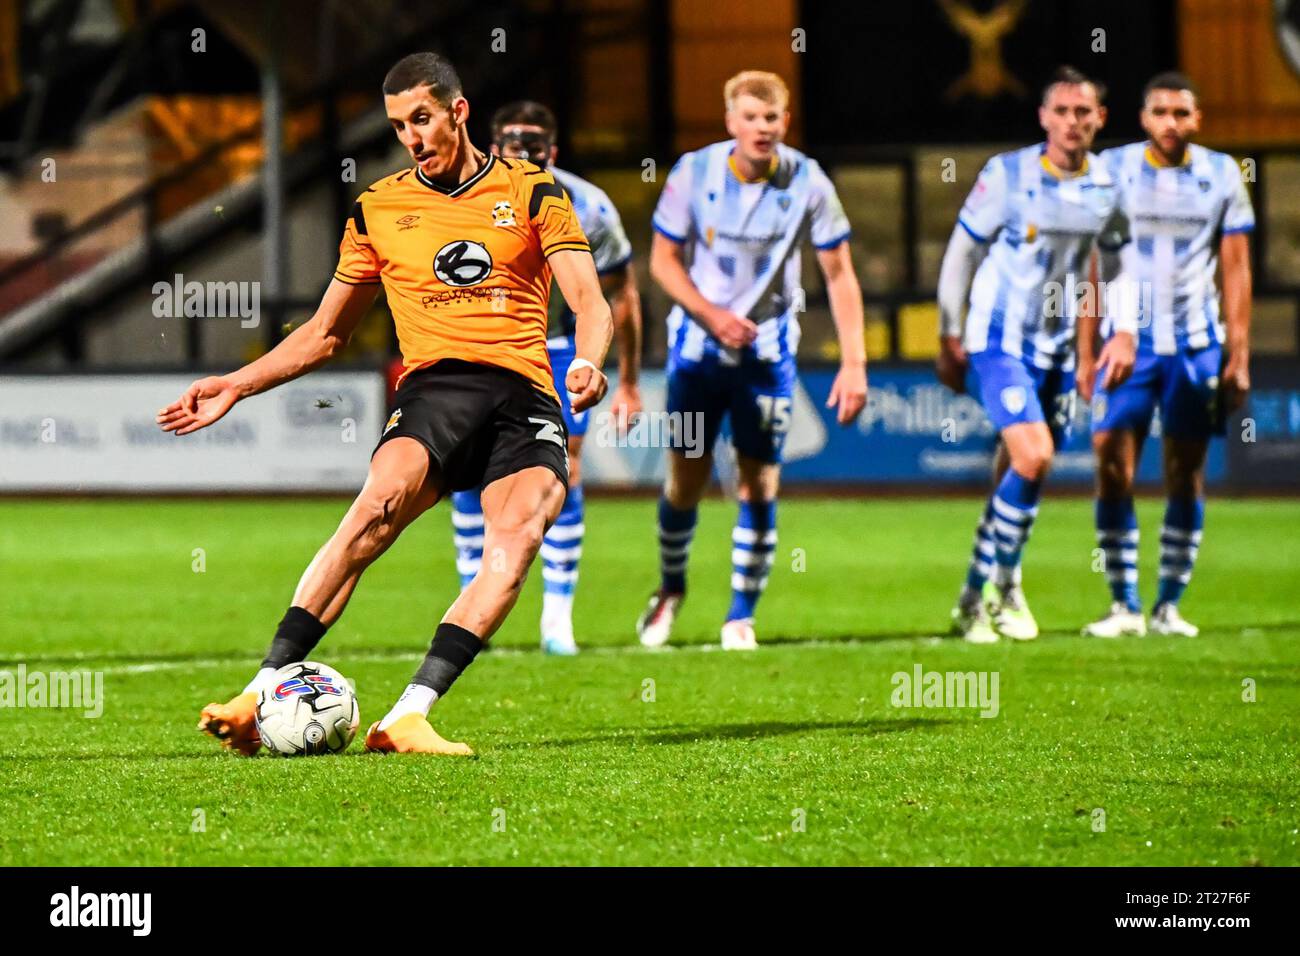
(774, 413)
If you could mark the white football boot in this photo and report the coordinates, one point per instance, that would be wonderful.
(1120, 622)
(557, 625)
(971, 620)
(655, 625)
(739, 636)
(1010, 612)
(1165, 619)
(559, 641)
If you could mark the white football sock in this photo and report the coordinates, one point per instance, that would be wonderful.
(557, 614)
(260, 680)
(416, 699)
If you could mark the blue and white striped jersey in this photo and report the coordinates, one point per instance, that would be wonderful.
(743, 242)
(1173, 219)
(1041, 227)
(609, 246)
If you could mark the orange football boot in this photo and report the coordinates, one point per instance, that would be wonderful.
(412, 734)
(233, 724)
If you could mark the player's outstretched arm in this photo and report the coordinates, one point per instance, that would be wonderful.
(668, 268)
(1234, 253)
(309, 346)
(625, 304)
(575, 274)
(849, 390)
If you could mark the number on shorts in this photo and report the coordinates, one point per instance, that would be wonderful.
(549, 431)
(774, 413)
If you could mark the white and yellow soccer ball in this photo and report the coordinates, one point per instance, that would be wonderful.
(306, 709)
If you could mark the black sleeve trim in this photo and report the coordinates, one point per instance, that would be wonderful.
(566, 244)
(359, 218)
(540, 192)
(354, 281)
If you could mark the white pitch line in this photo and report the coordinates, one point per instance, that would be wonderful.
(148, 667)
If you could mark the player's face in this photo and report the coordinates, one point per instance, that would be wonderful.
(523, 141)
(1071, 116)
(757, 126)
(1171, 119)
(429, 131)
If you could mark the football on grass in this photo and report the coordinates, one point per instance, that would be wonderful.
(307, 709)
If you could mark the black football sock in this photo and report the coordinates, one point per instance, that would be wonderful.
(298, 634)
(452, 651)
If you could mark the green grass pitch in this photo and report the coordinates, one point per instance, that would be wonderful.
(791, 755)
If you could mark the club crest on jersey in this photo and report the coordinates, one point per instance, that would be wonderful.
(1013, 399)
(393, 419)
(783, 201)
(503, 214)
(1031, 232)
(462, 263)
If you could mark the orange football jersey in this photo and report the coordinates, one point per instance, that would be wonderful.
(465, 269)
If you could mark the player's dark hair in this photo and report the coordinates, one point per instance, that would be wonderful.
(524, 113)
(424, 69)
(1170, 80)
(1073, 77)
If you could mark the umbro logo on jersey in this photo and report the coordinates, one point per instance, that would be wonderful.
(462, 263)
(408, 222)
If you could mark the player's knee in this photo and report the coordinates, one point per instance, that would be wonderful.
(685, 482)
(1181, 480)
(519, 538)
(1114, 477)
(374, 522)
(1033, 460)
(758, 481)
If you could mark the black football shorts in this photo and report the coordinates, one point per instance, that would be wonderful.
(479, 423)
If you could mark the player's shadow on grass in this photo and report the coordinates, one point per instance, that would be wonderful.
(690, 734)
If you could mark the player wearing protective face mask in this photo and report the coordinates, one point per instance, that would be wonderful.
(527, 130)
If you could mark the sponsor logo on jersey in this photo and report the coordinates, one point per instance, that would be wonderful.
(408, 222)
(462, 263)
(393, 419)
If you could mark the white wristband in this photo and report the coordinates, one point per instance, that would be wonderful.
(576, 364)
